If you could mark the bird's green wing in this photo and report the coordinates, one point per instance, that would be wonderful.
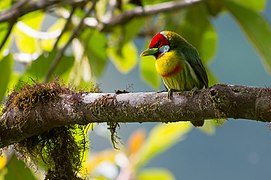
(192, 57)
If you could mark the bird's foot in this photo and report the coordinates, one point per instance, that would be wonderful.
(169, 94)
(121, 91)
(161, 91)
(192, 91)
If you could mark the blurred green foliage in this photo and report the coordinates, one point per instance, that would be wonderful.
(31, 46)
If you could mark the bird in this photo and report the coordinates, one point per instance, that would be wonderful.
(178, 63)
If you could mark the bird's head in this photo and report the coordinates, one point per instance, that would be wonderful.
(159, 45)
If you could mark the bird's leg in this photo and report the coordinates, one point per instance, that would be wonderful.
(169, 94)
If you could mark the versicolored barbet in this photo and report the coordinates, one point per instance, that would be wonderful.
(178, 63)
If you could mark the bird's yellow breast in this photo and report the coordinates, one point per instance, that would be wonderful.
(168, 63)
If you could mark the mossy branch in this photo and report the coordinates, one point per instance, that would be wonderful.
(42, 107)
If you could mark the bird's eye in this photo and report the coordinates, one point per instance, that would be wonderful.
(157, 44)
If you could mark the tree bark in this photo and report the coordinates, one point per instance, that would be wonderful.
(219, 101)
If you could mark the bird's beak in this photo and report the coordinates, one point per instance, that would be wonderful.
(150, 51)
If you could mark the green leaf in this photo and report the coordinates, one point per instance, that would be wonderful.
(208, 43)
(122, 51)
(48, 44)
(5, 4)
(148, 2)
(204, 36)
(210, 125)
(3, 32)
(13, 80)
(171, 133)
(211, 77)
(18, 170)
(39, 68)
(34, 19)
(24, 39)
(95, 48)
(256, 28)
(124, 59)
(131, 29)
(157, 174)
(148, 72)
(257, 5)
(6, 65)
(214, 7)
(124, 34)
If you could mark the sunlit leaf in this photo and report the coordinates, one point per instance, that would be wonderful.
(25, 43)
(48, 44)
(208, 43)
(136, 140)
(148, 72)
(101, 7)
(39, 68)
(96, 159)
(148, 2)
(124, 59)
(80, 75)
(3, 173)
(208, 127)
(13, 80)
(256, 28)
(95, 49)
(18, 170)
(170, 133)
(24, 39)
(214, 7)
(157, 174)
(203, 37)
(5, 4)
(6, 65)
(257, 5)
(122, 35)
(3, 32)
(132, 28)
(211, 77)
(34, 19)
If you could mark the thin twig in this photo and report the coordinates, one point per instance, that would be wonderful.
(10, 27)
(20, 4)
(65, 27)
(127, 16)
(12, 21)
(61, 51)
(16, 13)
(106, 23)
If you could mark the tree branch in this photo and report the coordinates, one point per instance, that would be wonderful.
(126, 16)
(105, 24)
(16, 11)
(219, 101)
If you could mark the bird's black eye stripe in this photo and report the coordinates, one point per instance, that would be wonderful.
(157, 44)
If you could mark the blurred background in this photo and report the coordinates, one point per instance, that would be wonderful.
(238, 149)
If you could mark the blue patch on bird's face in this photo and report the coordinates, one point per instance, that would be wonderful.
(163, 49)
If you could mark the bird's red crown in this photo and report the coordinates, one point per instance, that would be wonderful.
(159, 40)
